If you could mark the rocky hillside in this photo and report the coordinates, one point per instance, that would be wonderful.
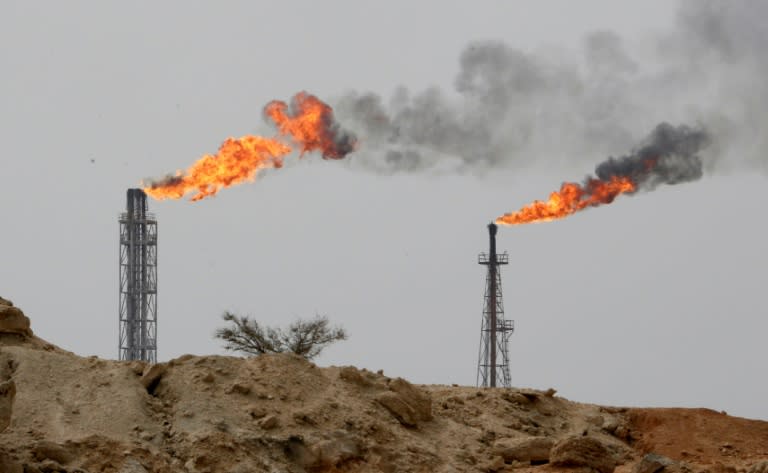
(63, 413)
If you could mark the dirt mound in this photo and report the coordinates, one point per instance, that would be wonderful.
(281, 413)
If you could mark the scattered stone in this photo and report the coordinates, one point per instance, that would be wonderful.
(151, 377)
(532, 396)
(131, 465)
(515, 397)
(269, 422)
(46, 450)
(239, 388)
(341, 447)
(652, 463)
(582, 451)
(496, 464)
(527, 449)
(208, 378)
(610, 425)
(622, 432)
(596, 420)
(550, 392)
(51, 466)
(304, 417)
(256, 412)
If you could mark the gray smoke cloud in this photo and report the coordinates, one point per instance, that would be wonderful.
(669, 155)
(511, 108)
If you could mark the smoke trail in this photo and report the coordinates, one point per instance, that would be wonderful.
(511, 107)
(668, 156)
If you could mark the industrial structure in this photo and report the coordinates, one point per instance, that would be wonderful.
(138, 280)
(493, 358)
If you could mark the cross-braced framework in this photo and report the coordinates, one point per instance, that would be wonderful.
(495, 330)
(138, 280)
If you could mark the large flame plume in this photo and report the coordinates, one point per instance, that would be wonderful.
(571, 198)
(307, 121)
(668, 156)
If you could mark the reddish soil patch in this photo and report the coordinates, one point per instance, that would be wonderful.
(700, 436)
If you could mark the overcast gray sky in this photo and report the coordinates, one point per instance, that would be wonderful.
(656, 300)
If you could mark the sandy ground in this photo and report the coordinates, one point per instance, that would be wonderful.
(281, 413)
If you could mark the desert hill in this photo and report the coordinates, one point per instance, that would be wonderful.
(60, 412)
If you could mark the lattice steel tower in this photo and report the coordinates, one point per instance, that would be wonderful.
(493, 359)
(138, 280)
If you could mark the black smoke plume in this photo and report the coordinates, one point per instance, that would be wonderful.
(511, 107)
(670, 155)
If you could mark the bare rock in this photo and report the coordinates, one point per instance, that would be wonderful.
(45, 450)
(652, 463)
(13, 320)
(515, 398)
(256, 412)
(131, 465)
(341, 447)
(408, 404)
(152, 375)
(327, 454)
(526, 449)
(760, 467)
(51, 466)
(494, 465)
(353, 375)
(239, 388)
(610, 424)
(138, 367)
(7, 393)
(582, 451)
(270, 422)
(398, 408)
(418, 400)
(596, 420)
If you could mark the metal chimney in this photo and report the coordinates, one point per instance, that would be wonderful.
(495, 330)
(138, 280)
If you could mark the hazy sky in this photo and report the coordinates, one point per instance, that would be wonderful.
(656, 300)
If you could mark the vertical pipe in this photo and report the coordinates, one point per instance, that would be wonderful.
(130, 286)
(142, 230)
(493, 290)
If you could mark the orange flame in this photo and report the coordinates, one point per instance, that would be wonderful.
(238, 160)
(308, 121)
(569, 199)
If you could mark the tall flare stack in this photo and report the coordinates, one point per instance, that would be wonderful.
(493, 358)
(138, 280)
